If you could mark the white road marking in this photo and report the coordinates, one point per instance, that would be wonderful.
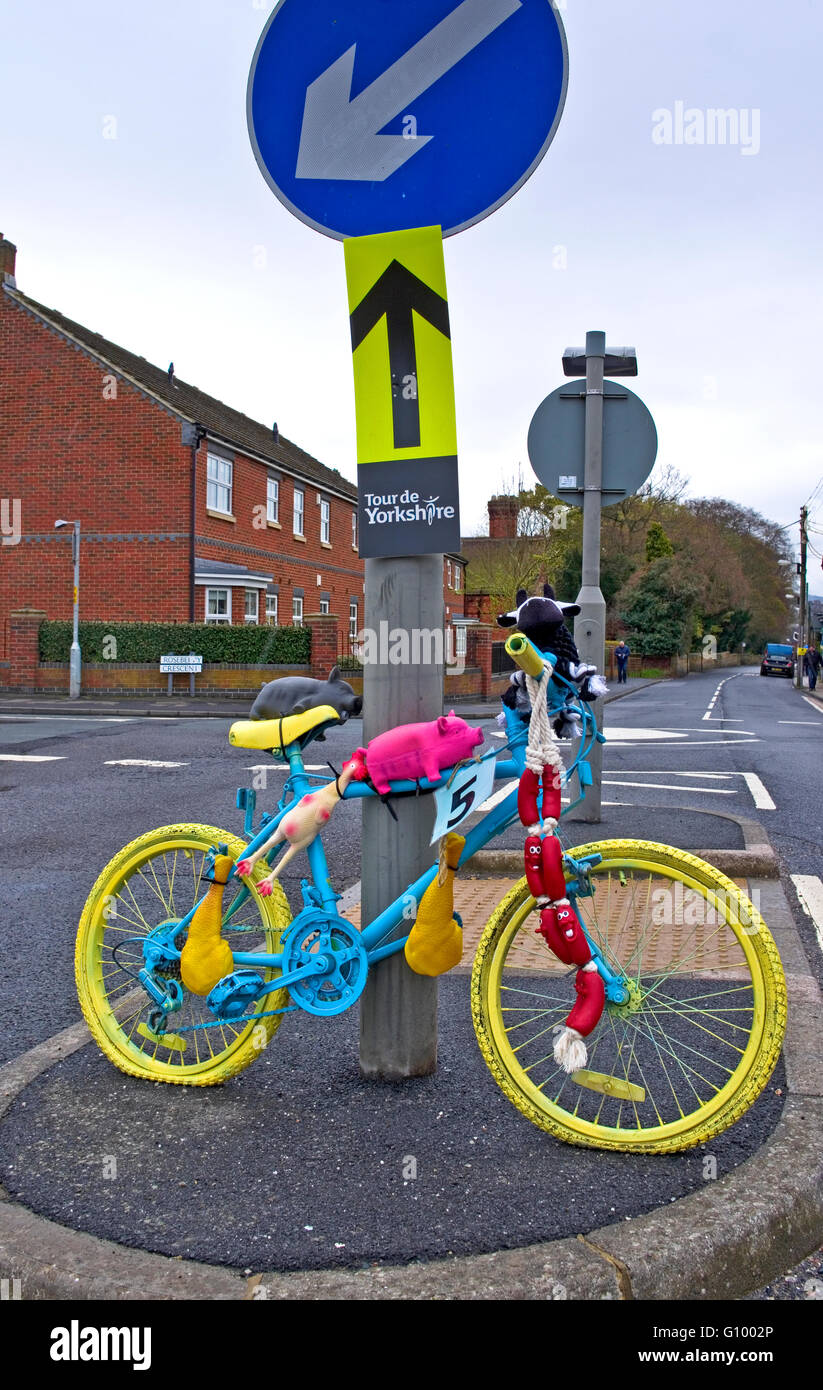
(814, 704)
(669, 787)
(696, 743)
(139, 762)
(810, 723)
(761, 797)
(75, 718)
(671, 771)
(30, 758)
(708, 713)
(640, 734)
(810, 895)
(497, 797)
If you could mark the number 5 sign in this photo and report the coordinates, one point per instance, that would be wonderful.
(466, 792)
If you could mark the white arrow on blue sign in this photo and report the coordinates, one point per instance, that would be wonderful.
(374, 116)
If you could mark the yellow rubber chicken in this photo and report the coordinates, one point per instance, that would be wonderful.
(435, 942)
(206, 957)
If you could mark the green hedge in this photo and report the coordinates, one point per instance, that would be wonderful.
(277, 646)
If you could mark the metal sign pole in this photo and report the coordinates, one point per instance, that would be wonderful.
(590, 624)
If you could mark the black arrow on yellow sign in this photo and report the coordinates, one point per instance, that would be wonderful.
(397, 294)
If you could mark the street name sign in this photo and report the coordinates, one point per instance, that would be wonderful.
(172, 665)
(557, 434)
(376, 116)
(404, 394)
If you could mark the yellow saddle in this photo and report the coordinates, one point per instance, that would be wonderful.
(277, 734)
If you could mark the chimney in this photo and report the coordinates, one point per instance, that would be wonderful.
(503, 513)
(8, 255)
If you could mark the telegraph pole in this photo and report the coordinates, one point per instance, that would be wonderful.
(804, 512)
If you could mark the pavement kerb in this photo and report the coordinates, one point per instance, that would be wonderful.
(722, 1242)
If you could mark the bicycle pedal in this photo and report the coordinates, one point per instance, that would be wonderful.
(609, 1085)
(172, 1041)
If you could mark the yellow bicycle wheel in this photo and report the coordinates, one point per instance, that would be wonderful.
(155, 880)
(694, 1042)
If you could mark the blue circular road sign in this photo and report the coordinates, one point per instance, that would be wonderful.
(374, 116)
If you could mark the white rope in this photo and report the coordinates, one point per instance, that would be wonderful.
(541, 750)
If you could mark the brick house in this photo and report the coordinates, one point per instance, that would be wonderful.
(94, 432)
(190, 510)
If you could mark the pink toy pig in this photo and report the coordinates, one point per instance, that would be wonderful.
(419, 750)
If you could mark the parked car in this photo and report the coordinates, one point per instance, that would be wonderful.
(778, 660)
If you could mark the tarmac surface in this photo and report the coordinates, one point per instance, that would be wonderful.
(436, 1188)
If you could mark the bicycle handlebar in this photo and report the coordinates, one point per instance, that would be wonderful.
(525, 653)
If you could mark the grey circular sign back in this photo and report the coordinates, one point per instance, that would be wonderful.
(556, 442)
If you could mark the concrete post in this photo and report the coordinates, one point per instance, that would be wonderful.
(590, 624)
(398, 1009)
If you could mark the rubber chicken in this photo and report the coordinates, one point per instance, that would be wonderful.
(435, 943)
(206, 957)
(303, 822)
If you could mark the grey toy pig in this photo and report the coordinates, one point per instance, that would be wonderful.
(296, 694)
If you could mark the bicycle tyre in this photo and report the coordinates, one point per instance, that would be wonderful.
(737, 966)
(143, 878)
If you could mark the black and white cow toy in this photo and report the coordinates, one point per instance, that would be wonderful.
(543, 620)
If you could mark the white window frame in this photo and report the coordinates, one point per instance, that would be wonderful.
(254, 617)
(458, 571)
(224, 618)
(448, 574)
(325, 521)
(219, 484)
(299, 512)
(271, 609)
(353, 616)
(297, 610)
(273, 499)
(459, 641)
(324, 605)
(354, 530)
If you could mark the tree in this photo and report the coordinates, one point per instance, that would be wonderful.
(657, 542)
(657, 608)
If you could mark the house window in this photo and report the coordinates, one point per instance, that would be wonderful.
(325, 522)
(299, 503)
(457, 574)
(353, 619)
(218, 605)
(449, 573)
(354, 530)
(271, 609)
(218, 490)
(459, 642)
(273, 499)
(297, 610)
(252, 605)
(324, 605)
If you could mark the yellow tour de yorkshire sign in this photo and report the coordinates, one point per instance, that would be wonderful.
(404, 393)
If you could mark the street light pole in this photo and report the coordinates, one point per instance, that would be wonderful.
(75, 656)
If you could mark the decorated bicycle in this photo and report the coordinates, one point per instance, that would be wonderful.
(625, 995)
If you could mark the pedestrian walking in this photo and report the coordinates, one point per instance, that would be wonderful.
(812, 662)
(622, 653)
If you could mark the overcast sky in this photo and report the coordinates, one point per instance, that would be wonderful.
(706, 258)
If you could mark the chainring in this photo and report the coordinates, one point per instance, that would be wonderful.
(314, 937)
